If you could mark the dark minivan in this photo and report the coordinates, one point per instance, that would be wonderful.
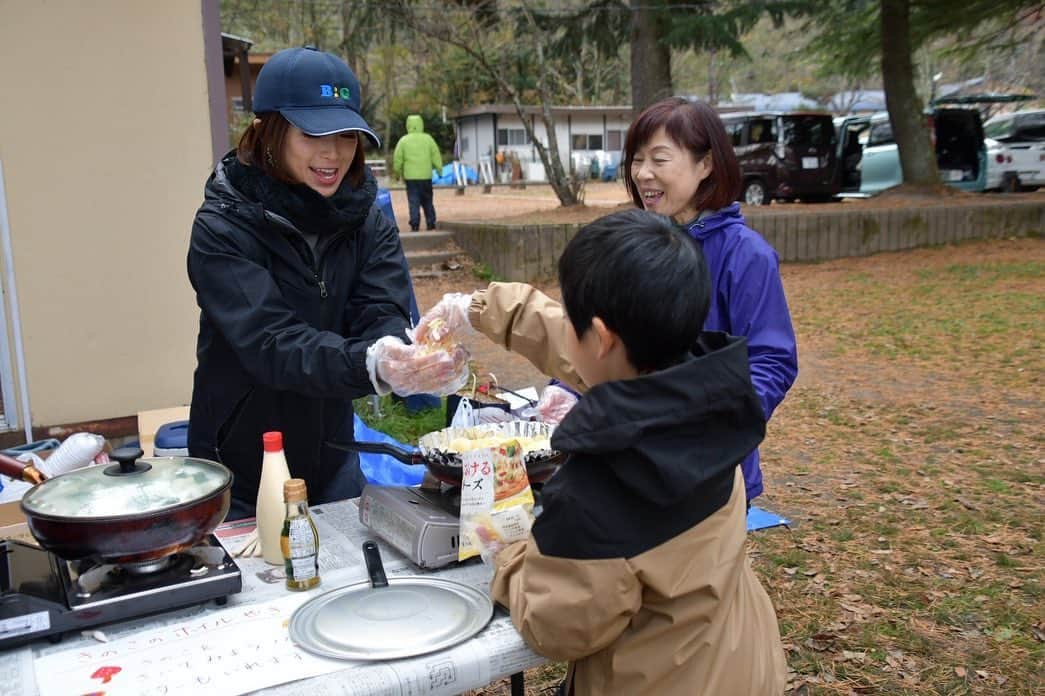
(784, 156)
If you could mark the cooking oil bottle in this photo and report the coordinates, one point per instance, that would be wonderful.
(300, 540)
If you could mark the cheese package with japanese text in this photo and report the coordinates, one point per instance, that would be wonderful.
(496, 500)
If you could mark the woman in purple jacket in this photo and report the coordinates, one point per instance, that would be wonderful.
(681, 164)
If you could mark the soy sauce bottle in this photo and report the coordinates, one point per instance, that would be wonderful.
(299, 540)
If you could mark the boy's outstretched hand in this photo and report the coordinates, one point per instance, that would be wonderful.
(445, 322)
(554, 404)
(489, 544)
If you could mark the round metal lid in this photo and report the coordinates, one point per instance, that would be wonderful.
(91, 493)
(411, 616)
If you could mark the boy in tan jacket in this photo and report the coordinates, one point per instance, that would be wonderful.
(635, 571)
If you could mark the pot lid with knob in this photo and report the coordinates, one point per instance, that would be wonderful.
(132, 486)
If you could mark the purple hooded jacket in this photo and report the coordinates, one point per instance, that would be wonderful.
(748, 300)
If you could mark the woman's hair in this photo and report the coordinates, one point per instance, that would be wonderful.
(696, 127)
(645, 278)
(261, 146)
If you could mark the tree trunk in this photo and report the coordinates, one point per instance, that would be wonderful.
(712, 81)
(557, 177)
(650, 58)
(389, 60)
(917, 155)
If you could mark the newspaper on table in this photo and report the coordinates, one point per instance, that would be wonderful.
(245, 646)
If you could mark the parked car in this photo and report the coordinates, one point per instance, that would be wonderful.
(784, 156)
(1001, 173)
(870, 160)
(1023, 132)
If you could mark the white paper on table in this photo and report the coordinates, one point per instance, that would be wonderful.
(227, 652)
(517, 402)
(16, 672)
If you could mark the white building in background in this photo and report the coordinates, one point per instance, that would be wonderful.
(582, 133)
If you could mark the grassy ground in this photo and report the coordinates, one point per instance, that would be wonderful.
(909, 457)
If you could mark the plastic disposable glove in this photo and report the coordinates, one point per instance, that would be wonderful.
(554, 404)
(395, 366)
(445, 321)
(489, 545)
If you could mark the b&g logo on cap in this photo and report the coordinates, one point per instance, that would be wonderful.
(337, 92)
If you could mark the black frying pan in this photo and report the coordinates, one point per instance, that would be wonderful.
(447, 466)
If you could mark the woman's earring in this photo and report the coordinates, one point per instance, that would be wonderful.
(269, 159)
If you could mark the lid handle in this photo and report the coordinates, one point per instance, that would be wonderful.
(374, 567)
(128, 464)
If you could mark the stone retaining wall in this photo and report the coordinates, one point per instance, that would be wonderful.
(529, 253)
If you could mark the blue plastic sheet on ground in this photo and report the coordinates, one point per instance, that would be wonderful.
(382, 469)
(757, 518)
(446, 176)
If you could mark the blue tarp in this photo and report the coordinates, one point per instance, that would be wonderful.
(757, 518)
(446, 178)
(383, 469)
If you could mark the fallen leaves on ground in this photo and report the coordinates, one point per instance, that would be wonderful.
(909, 456)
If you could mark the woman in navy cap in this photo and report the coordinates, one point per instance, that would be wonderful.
(302, 287)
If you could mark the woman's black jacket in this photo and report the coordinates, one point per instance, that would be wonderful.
(284, 330)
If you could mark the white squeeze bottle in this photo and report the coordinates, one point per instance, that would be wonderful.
(270, 507)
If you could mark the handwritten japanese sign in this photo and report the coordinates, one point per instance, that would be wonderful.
(232, 651)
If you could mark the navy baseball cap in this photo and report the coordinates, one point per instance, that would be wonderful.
(315, 91)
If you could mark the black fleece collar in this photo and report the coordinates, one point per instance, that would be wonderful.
(309, 211)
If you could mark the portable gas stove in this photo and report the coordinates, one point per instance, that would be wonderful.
(423, 523)
(43, 595)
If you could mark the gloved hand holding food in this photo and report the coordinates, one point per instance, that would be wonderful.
(395, 366)
(554, 404)
(445, 322)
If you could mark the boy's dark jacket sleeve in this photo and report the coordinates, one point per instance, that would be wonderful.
(262, 320)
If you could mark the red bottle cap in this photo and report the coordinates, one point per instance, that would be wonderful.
(273, 441)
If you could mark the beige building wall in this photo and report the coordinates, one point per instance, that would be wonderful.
(105, 142)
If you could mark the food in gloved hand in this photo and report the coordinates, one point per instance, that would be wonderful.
(437, 338)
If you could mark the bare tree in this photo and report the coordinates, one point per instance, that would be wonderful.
(499, 49)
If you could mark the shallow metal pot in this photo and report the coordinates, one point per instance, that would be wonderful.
(139, 510)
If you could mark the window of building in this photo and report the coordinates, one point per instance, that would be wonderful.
(585, 141)
(614, 140)
(512, 136)
(237, 105)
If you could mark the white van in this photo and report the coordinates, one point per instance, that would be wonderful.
(1023, 132)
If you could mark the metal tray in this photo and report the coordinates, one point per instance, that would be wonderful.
(411, 616)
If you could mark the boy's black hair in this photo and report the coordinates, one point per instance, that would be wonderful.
(645, 278)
